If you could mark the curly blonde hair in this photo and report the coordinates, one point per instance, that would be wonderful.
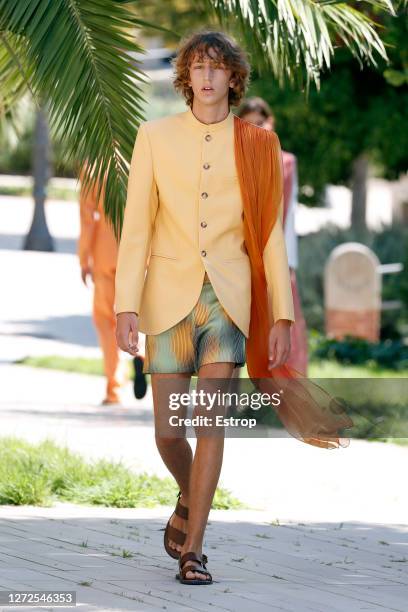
(228, 52)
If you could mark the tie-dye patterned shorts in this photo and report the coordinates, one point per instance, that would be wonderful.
(206, 335)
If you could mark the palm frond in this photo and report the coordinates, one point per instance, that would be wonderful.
(296, 39)
(14, 72)
(80, 58)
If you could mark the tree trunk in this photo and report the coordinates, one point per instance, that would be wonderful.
(39, 237)
(359, 196)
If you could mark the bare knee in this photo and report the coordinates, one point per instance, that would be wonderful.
(167, 442)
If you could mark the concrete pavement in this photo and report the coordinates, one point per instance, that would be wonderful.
(114, 560)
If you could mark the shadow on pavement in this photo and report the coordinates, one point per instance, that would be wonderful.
(14, 242)
(72, 329)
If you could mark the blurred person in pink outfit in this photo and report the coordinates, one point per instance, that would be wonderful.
(257, 111)
(97, 251)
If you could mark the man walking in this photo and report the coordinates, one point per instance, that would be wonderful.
(184, 223)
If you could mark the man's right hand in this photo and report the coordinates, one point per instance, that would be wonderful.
(127, 333)
(86, 270)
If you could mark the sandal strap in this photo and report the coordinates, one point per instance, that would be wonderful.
(181, 511)
(189, 567)
(176, 535)
(189, 556)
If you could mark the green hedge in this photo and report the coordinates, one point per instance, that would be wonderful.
(389, 353)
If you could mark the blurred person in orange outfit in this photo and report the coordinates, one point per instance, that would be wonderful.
(257, 111)
(97, 251)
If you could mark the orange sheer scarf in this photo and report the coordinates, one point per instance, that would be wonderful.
(307, 412)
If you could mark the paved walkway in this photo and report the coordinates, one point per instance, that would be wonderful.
(114, 560)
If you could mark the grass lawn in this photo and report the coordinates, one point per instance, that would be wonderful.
(333, 369)
(317, 369)
(43, 473)
(80, 365)
(53, 193)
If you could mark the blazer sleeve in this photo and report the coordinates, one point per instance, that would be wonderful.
(276, 266)
(140, 212)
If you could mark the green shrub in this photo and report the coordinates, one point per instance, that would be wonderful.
(391, 354)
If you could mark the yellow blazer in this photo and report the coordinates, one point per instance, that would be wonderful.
(183, 217)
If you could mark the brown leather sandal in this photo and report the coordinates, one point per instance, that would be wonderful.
(172, 533)
(185, 567)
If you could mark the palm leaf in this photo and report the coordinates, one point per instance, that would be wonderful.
(14, 72)
(79, 54)
(296, 39)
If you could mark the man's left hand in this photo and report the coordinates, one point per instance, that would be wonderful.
(279, 343)
(86, 270)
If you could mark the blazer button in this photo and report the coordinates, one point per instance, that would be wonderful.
(208, 137)
(204, 194)
(206, 166)
(203, 253)
(203, 224)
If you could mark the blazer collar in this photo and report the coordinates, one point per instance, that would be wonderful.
(199, 126)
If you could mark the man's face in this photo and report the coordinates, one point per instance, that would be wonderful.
(209, 79)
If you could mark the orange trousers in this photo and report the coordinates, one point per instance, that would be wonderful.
(105, 323)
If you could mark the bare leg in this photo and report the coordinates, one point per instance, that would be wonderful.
(105, 322)
(235, 381)
(205, 471)
(175, 452)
